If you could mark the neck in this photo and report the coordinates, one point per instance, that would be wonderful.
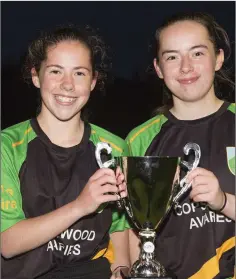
(62, 133)
(195, 110)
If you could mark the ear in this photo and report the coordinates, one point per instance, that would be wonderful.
(35, 78)
(157, 68)
(94, 81)
(219, 60)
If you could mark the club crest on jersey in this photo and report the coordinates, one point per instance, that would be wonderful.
(231, 158)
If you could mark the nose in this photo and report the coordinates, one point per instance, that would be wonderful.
(186, 65)
(67, 83)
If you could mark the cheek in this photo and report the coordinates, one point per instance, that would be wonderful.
(83, 87)
(205, 68)
(170, 72)
(48, 85)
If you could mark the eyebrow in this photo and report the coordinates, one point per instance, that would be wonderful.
(176, 51)
(75, 68)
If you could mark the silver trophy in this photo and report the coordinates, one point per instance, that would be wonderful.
(152, 194)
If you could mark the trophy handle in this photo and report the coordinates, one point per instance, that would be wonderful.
(190, 166)
(100, 146)
(197, 152)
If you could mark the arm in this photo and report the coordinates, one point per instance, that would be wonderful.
(229, 209)
(39, 230)
(44, 228)
(120, 241)
(134, 246)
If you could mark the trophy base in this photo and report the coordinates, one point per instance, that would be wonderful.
(130, 277)
(125, 275)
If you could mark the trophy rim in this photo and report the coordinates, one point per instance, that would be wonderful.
(146, 157)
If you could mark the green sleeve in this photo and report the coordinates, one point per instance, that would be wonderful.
(140, 138)
(119, 222)
(11, 201)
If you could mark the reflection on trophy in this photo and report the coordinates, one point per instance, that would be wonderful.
(151, 196)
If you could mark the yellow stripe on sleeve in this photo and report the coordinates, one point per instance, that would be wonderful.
(21, 141)
(107, 253)
(111, 144)
(211, 268)
(143, 129)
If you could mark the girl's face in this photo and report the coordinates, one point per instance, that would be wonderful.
(187, 61)
(65, 80)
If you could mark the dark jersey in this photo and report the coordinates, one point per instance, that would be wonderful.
(39, 177)
(196, 242)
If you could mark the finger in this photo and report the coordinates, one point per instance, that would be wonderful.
(198, 171)
(177, 173)
(120, 178)
(108, 198)
(199, 190)
(118, 171)
(101, 172)
(201, 198)
(122, 187)
(123, 190)
(201, 180)
(123, 194)
(108, 188)
(105, 179)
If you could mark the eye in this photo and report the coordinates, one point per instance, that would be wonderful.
(172, 57)
(199, 53)
(55, 72)
(80, 74)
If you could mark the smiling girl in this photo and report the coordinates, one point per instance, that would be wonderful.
(197, 242)
(61, 224)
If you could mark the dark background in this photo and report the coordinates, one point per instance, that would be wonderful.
(127, 27)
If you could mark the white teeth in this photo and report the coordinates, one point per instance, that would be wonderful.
(65, 99)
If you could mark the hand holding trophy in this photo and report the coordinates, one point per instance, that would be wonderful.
(151, 196)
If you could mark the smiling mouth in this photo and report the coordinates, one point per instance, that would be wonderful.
(188, 80)
(65, 100)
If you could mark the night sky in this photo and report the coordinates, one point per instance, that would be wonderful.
(127, 27)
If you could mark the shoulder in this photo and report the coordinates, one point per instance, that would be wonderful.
(143, 134)
(99, 134)
(17, 135)
(152, 126)
(231, 107)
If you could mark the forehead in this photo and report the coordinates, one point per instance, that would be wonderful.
(184, 34)
(68, 50)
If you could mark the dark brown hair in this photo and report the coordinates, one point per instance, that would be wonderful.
(37, 51)
(219, 39)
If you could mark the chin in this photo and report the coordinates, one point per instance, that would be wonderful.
(190, 98)
(65, 118)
